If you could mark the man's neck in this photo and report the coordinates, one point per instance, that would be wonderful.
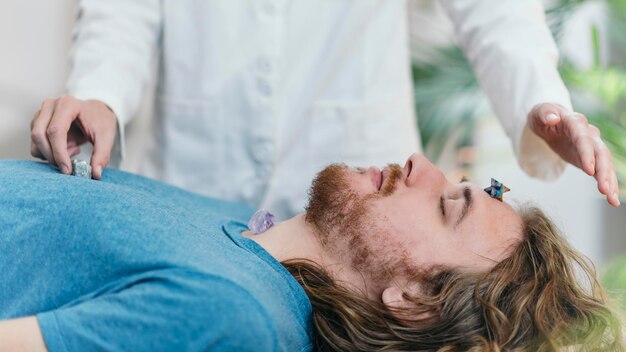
(291, 239)
(297, 239)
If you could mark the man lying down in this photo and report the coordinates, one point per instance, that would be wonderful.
(401, 260)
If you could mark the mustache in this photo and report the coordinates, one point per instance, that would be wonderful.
(394, 176)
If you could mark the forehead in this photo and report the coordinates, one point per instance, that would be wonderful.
(491, 228)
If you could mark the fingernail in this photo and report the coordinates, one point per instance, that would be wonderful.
(551, 117)
(65, 169)
(616, 196)
(98, 170)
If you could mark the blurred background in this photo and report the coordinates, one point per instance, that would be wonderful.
(458, 129)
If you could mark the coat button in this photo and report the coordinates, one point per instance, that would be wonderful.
(264, 65)
(264, 171)
(264, 87)
(262, 151)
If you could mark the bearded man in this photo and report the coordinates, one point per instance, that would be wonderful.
(398, 259)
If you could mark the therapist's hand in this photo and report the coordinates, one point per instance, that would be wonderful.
(571, 136)
(63, 124)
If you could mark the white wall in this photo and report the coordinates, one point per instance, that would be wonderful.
(34, 39)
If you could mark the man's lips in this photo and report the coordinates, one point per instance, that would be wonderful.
(390, 174)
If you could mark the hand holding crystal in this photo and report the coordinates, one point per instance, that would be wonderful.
(63, 124)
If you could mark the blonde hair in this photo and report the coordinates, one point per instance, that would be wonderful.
(543, 297)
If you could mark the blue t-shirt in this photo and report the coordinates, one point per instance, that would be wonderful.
(131, 264)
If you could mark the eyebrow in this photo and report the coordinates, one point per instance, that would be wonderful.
(467, 206)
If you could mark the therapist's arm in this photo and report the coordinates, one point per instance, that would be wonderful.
(515, 58)
(21, 335)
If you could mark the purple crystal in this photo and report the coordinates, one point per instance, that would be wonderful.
(261, 221)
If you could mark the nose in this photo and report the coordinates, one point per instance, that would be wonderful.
(421, 172)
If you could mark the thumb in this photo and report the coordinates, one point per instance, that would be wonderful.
(550, 118)
(543, 117)
(101, 154)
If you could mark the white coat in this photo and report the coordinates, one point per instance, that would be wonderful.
(255, 96)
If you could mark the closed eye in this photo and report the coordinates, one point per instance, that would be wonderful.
(466, 194)
(442, 207)
(467, 205)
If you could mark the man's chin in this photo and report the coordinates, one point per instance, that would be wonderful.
(330, 198)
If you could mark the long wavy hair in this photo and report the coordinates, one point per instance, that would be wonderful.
(544, 297)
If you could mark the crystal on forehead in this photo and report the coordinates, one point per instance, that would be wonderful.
(81, 168)
(497, 189)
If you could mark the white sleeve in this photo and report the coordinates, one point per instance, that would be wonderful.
(513, 54)
(113, 50)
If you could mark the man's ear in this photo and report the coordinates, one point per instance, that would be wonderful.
(393, 298)
(401, 308)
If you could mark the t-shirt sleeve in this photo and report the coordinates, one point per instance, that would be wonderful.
(163, 313)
